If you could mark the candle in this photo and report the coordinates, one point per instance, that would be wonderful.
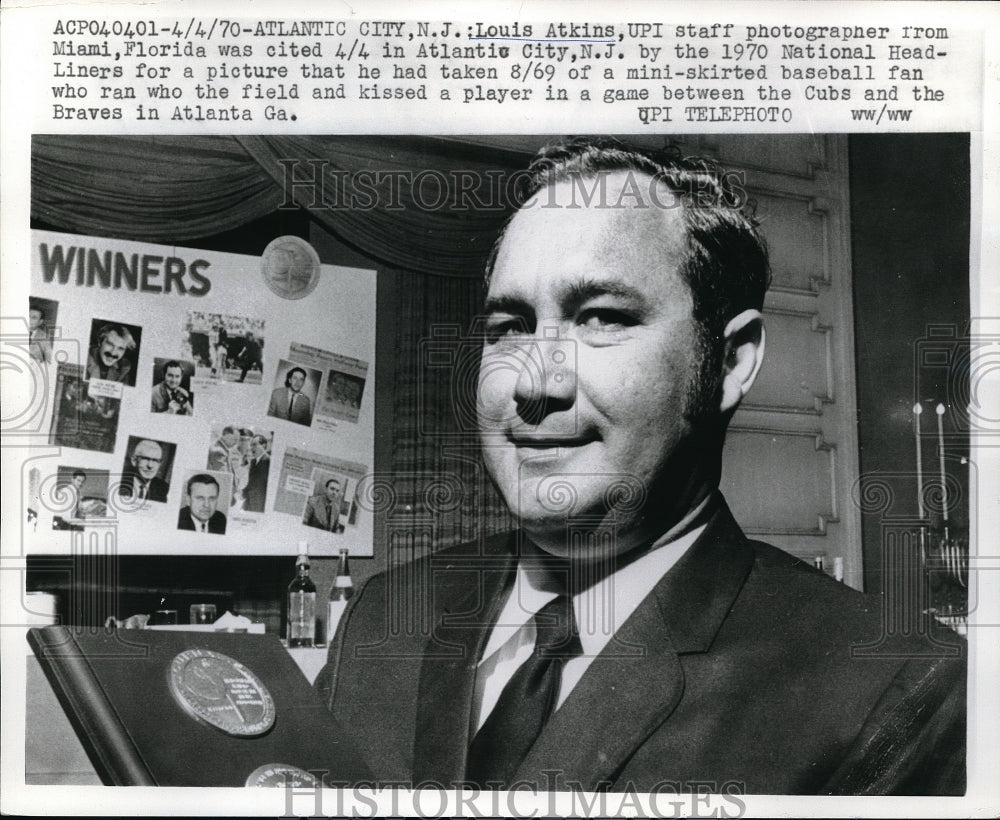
(944, 486)
(917, 410)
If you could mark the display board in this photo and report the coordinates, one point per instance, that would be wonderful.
(200, 402)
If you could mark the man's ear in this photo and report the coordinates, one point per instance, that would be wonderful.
(744, 339)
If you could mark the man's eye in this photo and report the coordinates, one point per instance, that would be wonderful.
(605, 319)
(504, 328)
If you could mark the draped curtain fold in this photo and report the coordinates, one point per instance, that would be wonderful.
(393, 199)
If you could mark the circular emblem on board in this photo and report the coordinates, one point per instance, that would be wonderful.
(290, 267)
(281, 774)
(220, 691)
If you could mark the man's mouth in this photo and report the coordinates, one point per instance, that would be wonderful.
(537, 441)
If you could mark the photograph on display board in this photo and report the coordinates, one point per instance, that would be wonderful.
(42, 315)
(172, 387)
(244, 453)
(80, 494)
(225, 348)
(85, 413)
(343, 394)
(147, 469)
(113, 352)
(321, 491)
(324, 510)
(206, 495)
(294, 395)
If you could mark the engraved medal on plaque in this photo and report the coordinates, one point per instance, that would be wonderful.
(221, 692)
(282, 775)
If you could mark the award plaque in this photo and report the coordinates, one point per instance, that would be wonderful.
(221, 692)
(181, 708)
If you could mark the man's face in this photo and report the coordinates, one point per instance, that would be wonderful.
(296, 380)
(112, 349)
(146, 459)
(34, 318)
(173, 377)
(204, 498)
(257, 448)
(230, 438)
(588, 365)
(332, 491)
(79, 481)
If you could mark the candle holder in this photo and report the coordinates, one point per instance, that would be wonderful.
(947, 569)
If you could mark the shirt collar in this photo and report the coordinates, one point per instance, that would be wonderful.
(601, 609)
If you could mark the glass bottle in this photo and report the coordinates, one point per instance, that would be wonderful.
(302, 602)
(340, 594)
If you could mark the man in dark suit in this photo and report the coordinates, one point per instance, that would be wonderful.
(628, 636)
(255, 491)
(200, 513)
(142, 480)
(323, 509)
(249, 355)
(289, 402)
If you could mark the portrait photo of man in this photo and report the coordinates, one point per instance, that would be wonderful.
(114, 351)
(323, 509)
(172, 388)
(293, 401)
(627, 634)
(41, 318)
(202, 498)
(145, 475)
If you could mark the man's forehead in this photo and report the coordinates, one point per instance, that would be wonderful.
(148, 448)
(623, 234)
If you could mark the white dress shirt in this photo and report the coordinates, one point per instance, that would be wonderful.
(600, 611)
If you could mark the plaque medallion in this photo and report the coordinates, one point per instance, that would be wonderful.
(290, 267)
(281, 774)
(220, 691)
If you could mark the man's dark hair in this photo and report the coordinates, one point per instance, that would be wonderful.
(80, 474)
(330, 481)
(170, 364)
(288, 375)
(726, 266)
(201, 478)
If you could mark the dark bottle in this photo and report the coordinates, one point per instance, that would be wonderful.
(302, 602)
(340, 594)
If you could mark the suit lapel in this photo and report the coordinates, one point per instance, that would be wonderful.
(466, 604)
(634, 685)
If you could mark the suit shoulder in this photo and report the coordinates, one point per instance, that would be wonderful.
(803, 600)
(491, 549)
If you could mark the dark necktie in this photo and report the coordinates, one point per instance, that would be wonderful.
(291, 404)
(528, 698)
(329, 515)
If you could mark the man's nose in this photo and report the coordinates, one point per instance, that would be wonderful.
(546, 382)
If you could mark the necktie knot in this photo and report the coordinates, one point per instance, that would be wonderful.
(555, 630)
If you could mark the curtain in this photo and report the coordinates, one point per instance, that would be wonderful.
(414, 204)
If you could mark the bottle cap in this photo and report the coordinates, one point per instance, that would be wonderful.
(302, 559)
